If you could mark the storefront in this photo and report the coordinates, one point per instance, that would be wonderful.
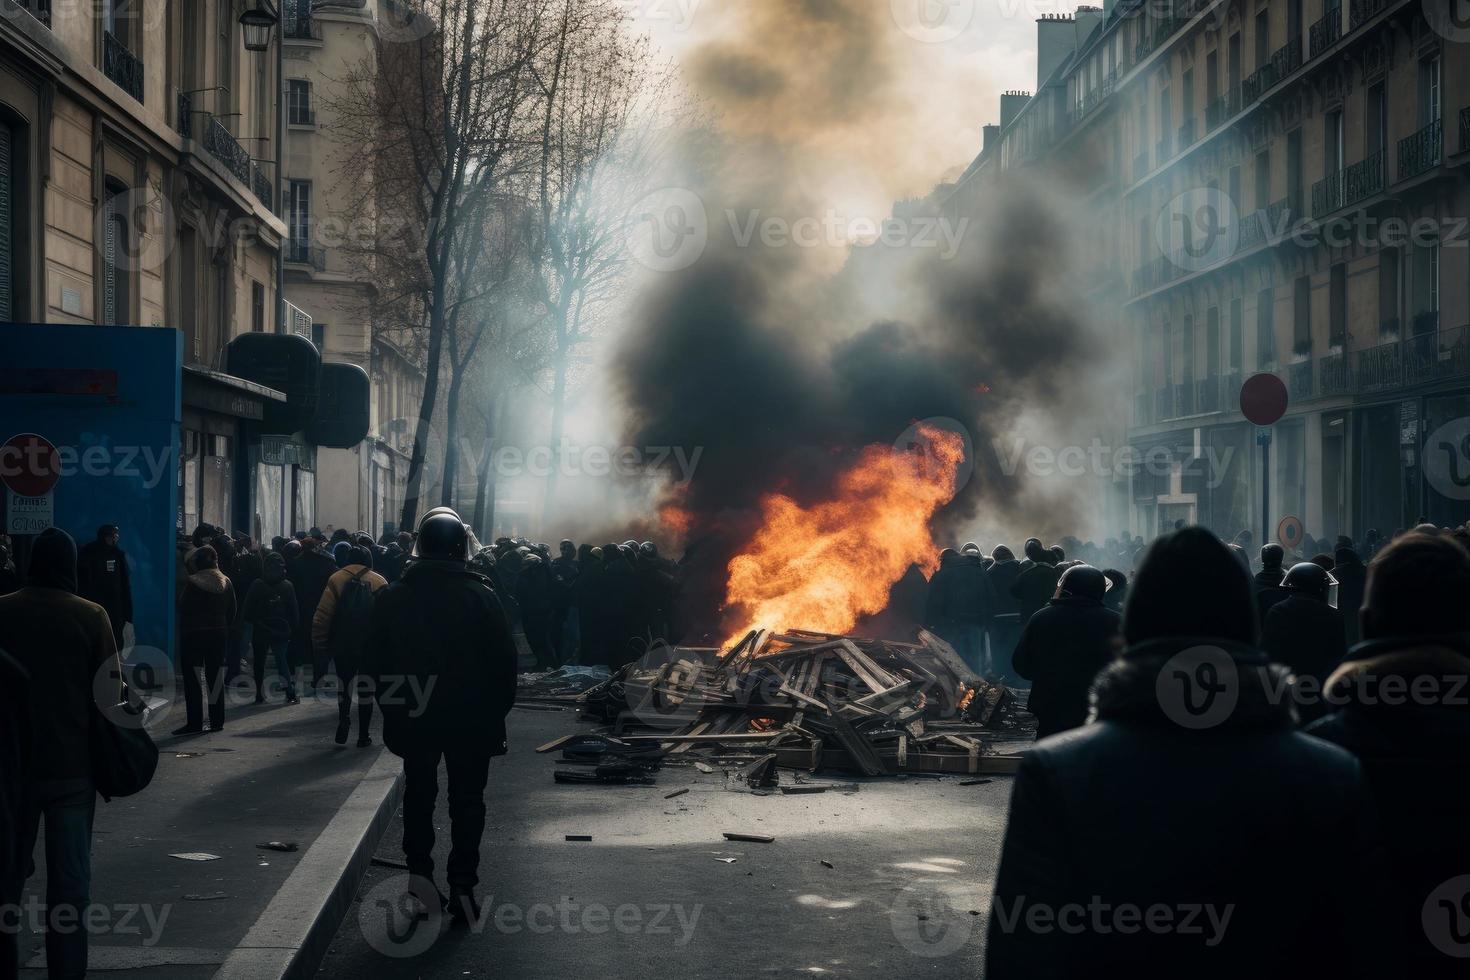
(221, 415)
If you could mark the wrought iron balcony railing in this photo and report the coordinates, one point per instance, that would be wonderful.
(1421, 151)
(227, 150)
(39, 9)
(1362, 11)
(1207, 397)
(1332, 375)
(122, 66)
(1186, 135)
(1437, 355)
(302, 27)
(1221, 108)
(261, 185)
(1299, 379)
(1348, 186)
(304, 253)
(185, 121)
(1327, 31)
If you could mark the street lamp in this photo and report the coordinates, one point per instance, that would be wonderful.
(257, 25)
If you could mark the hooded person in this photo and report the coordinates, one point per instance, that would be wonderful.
(1064, 646)
(1268, 580)
(15, 776)
(1117, 593)
(102, 577)
(1035, 586)
(618, 588)
(533, 593)
(1187, 790)
(206, 613)
(971, 607)
(309, 573)
(62, 645)
(1399, 704)
(1304, 632)
(1005, 621)
(444, 695)
(1352, 581)
(271, 611)
(588, 598)
(564, 625)
(339, 633)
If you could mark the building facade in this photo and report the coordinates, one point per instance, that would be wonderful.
(1271, 186)
(332, 217)
(138, 187)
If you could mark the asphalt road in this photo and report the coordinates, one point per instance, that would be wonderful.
(659, 892)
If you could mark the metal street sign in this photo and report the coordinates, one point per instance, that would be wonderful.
(29, 515)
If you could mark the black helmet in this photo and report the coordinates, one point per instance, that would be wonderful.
(970, 548)
(442, 537)
(630, 543)
(1311, 579)
(1272, 555)
(948, 555)
(1082, 581)
(648, 549)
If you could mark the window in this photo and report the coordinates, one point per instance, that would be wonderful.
(1263, 179)
(1429, 93)
(1212, 342)
(1301, 321)
(225, 58)
(1426, 288)
(1294, 172)
(116, 305)
(1232, 182)
(1375, 122)
(187, 258)
(1263, 37)
(1333, 149)
(8, 304)
(1237, 320)
(1337, 307)
(298, 103)
(319, 335)
(257, 307)
(1265, 330)
(1389, 291)
(299, 216)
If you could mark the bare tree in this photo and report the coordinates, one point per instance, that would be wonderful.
(598, 87)
(435, 123)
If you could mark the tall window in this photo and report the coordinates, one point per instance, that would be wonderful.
(225, 58)
(1265, 330)
(1263, 37)
(1337, 307)
(1334, 149)
(257, 307)
(1301, 322)
(1429, 92)
(116, 307)
(1237, 319)
(1375, 122)
(1426, 288)
(299, 218)
(298, 103)
(1294, 172)
(1263, 179)
(1390, 299)
(7, 223)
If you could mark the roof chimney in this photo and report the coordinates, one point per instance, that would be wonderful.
(1056, 37)
(1087, 20)
(990, 136)
(1011, 104)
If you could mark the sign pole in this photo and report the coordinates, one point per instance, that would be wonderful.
(1263, 437)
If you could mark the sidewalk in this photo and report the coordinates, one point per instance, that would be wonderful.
(273, 774)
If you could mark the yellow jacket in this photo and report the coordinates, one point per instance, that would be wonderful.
(321, 621)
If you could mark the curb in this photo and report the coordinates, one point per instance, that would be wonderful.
(290, 938)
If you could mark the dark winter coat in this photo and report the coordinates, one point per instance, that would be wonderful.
(244, 571)
(443, 661)
(9, 579)
(1061, 651)
(1352, 582)
(1247, 817)
(1034, 588)
(65, 644)
(1416, 754)
(208, 603)
(309, 574)
(102, 577)
(1003, 575)
(961, 594)
(1268, 591)
(1306, 635)
(270, 605)
(15, 775)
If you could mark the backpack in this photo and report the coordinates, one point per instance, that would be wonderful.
(350, 621)
(273, 618)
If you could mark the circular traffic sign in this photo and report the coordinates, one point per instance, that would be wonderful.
(1263, 399)
(1289, 531)
(29, 465)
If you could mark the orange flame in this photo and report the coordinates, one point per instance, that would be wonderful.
(824, 567)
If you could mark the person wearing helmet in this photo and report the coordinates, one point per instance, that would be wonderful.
(1305, 633)
(1005, 621)
(564, 625)
(444, 694)
(1064, 646)
(533, 592)
(657, 595)
(1268, 579)
(1036, 585)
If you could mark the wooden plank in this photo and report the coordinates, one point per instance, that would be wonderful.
(948, 657)
(885, 679)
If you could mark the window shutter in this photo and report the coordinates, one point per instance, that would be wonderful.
(109, 260)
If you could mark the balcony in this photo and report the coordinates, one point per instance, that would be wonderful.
(299, 252)
(1421, 151)
(1362, 11)
(1348, 186)
(1263, 225)
(1186, 135)
(1299, 380)
(1327, 31)
(1221, 108)
(1184, 399)
(302, 27)
(224, 148)
(1207, 396)
(1332, 375)
(260, 184)
(1437, 356)
(1164, 150)
(185, 121)
(39, 9)
(122, 66)
(1140, 166)
(1094, 99)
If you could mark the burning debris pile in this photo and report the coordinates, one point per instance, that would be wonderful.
(797, 700)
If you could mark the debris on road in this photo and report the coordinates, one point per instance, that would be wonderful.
(751, 838)
(677, 792)
(828, 864)
(976, 782)
(210, 897)
(285, 847)
(579, 837)
(195, 856)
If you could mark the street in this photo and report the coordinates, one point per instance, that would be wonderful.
(659, 891)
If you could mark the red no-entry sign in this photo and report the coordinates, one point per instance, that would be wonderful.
(1263, 399)
(29, 465)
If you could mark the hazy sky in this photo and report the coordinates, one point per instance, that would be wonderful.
(881, 99)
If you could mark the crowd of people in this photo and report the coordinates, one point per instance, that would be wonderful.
(1319, 818)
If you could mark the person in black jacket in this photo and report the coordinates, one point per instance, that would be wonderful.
(102, 577)
(444, 694)
(1268, 580)
(1304, 632)
(1005, 622)
(15, 765)
(271, 611)
(1063, 648)
(1352, 580)
(1400, 705)
(588, 600)
(206, 613)
(9, 579)
(1035, 586)
(1188, 800)
(309, 573)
